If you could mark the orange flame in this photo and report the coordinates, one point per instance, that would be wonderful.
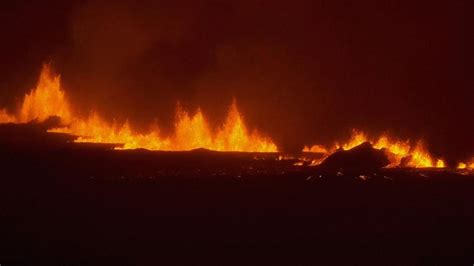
(357, 138)
(5, 117)
(440, 164)
(191, 131)
(315, 149)
(46, 100)
(396, 150)
(468, 165)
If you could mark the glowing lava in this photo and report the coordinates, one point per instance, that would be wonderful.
(5, 117)
(468, 165)
(46, 100)
(315, 149)
(400, 153)
(191, 131)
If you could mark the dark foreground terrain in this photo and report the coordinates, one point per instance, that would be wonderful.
(81, 205)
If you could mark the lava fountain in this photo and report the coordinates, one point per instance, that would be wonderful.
(191, 131)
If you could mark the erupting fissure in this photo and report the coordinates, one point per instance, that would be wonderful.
(191, 131)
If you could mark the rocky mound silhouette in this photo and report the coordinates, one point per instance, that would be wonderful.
(362, 158)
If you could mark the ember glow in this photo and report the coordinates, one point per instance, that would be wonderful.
(400, 153)
(192, 131)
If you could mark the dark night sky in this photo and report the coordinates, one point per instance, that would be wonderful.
(301, 71)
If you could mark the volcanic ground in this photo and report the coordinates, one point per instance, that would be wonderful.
(80, 204)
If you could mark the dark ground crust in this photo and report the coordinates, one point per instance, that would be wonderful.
(82, 205)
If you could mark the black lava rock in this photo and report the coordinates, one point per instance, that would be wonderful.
(360, 159)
